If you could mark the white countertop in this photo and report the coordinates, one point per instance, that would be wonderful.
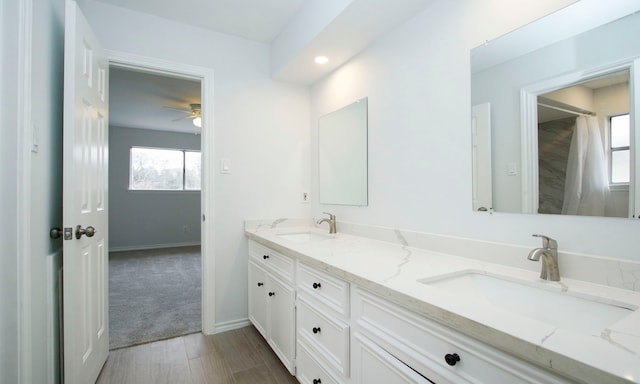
(393, 270)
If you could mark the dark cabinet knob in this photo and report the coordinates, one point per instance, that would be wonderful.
(316, 330)
(265, 257)
(260, 284)
(451, 358)
(272, 293)
(316, 285)
(317, 381)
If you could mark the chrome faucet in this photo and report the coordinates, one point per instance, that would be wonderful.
(549, 254)
(331, 220)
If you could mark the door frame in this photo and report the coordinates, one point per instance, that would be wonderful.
(205, 75)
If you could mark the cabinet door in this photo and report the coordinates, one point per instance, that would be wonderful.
(258, 298)
(281, 325)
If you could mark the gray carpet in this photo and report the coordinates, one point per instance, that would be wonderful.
(153, 295)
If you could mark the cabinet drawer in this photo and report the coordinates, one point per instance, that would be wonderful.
(422, 344)
(375, 365)
(328, 338)
(328, 290)
(272, 261)
(309, 371)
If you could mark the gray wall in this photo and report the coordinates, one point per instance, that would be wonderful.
(148, 219)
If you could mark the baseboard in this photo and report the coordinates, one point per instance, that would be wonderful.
(53, 343)
(152, 246)
(231, 325)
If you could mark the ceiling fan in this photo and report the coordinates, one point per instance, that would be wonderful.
(195, 113)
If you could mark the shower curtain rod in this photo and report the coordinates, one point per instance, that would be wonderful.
(585, 113)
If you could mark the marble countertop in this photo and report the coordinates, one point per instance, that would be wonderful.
(394, 271)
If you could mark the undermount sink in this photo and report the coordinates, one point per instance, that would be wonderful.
(542, 302)
(303, 237)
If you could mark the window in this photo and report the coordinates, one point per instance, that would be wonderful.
(619, 152)
(154, 169)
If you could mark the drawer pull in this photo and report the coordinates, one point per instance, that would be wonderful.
(272, 293)
(316, 330)
(265, 257)
(317, 381)
(260, 284)
(316, 285)
(451, 359)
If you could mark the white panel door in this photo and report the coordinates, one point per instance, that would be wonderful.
(85, 161)
(258, 298)
(481, 154)
(281, 325)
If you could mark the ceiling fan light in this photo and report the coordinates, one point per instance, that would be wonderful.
(197, 122)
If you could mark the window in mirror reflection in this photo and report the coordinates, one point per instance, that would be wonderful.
(620, 136)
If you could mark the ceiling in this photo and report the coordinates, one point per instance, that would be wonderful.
(258, 20)
(149, 101)
(295, 30)
(546, 102)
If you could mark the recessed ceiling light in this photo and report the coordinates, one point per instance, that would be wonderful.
(321, 60)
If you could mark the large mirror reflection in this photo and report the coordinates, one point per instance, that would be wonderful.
(559, 115)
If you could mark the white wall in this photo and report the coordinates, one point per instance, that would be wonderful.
(46, 185)
(8, 193)
(261, 125)
(417, 81)
(149, 219)
(33, 320)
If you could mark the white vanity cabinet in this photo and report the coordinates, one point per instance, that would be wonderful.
(391, 344)
(272, 300)
(322, 327)
(329, 330)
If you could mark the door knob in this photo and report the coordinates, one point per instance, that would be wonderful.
(55, 233)
(89, 231)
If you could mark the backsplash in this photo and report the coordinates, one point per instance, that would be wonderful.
(596, 269)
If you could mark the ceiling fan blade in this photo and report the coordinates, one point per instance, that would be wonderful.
(188, 111)
(185, 118)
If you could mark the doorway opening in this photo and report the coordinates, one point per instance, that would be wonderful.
(155, 205)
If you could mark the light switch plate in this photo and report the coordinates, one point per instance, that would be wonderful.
(225, 166)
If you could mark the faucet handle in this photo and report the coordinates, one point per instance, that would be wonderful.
(331, 217)
(547, 242)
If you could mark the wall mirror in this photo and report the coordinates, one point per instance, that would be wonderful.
(554, 107)
(342, 155)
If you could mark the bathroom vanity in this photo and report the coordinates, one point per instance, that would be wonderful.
(345, 308)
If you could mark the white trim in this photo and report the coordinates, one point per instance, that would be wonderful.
(54, 266)
(231, 325)
(152, 246)
(23, 182)
(634, 110)
(529, 151)
(205, 75)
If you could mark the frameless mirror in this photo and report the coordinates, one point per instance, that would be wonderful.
(550, 102)
(342, 155)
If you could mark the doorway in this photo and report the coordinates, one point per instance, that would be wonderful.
(190, 240)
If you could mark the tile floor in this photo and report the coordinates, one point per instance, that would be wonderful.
(240, 356)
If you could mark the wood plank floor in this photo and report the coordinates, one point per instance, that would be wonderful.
(240, 356)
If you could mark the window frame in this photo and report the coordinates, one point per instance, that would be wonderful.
(183, 151)
(617, 186)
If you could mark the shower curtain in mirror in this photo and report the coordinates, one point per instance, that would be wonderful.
(586, 183)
